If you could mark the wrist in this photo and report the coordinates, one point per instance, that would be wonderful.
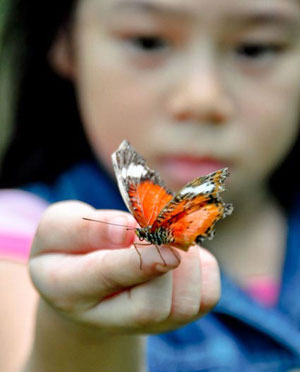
(62, 344)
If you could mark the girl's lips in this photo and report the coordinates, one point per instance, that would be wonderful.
(183, 169)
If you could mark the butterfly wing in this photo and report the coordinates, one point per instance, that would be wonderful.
(142, 189)
(197, 226)
(191, 215)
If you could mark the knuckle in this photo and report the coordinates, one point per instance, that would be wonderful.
(56, 294)
(150, 315)
(104, 276)
(210, 300)
(47, 231)
(45, 280)
(186, 312)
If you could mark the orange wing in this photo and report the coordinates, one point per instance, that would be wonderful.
(192, 197)
(147, 200)
(194, 227)
(142, 189)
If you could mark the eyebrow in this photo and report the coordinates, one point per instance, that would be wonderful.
(241, 18)
(152, 7)
(267, 17)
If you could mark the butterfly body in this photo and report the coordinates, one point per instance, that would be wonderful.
(157, 237)
(176, 220)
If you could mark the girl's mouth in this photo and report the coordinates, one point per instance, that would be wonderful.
(184, 168)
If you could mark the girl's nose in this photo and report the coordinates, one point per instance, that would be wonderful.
(200, 97)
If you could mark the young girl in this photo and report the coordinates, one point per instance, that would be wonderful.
(194, 86)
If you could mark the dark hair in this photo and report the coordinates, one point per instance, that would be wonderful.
(47, 132)
(48, 135)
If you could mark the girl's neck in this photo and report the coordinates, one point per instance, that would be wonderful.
(251, 242)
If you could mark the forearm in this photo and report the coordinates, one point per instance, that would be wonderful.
(62, 346)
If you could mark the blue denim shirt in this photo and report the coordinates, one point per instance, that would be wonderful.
(239, 334)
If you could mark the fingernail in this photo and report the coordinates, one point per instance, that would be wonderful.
(117, 234)
(165, 268)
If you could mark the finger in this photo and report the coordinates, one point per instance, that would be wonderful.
(63, 229)
(211, 281)
(196, 290)
(163, 303)
(196, 285)
(187, 287)
(79, 282)
(143, 306)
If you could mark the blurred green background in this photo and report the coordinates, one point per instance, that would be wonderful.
(6, 85)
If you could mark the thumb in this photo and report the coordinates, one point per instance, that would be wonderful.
(74, 263)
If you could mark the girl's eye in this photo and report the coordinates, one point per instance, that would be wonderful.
(149, 43)
(257, 51)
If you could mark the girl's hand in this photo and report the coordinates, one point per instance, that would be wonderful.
(87, 272)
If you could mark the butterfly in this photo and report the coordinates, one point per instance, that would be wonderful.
(176, 220)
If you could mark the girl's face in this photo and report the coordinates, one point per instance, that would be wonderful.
(194, 85)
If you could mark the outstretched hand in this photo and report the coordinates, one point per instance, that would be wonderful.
(90, 272)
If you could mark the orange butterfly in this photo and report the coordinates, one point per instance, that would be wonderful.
(175, 220)
(179, 220)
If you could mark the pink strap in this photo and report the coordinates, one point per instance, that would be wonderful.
(15, 247)
(20, 212)
(263, 289)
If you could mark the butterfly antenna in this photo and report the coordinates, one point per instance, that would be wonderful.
(109, 223)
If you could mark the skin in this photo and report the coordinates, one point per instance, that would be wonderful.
(16, 333)
(85, 276)
(195, 80)
(202, 90)
(219, 81)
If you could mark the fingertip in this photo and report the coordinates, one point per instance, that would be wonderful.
(109, 229)
(211, 279)
(208, 260)
(120, 232)
(162, 268)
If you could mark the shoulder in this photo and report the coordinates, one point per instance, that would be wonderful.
(20, 212)
(85, 181)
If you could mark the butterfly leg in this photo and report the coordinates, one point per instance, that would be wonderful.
(139, 253)
(175, 254)
(161, 256)
(159, 252)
